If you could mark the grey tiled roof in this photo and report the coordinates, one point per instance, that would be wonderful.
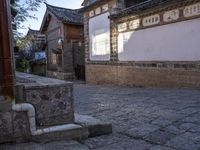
(148, 4)
(92, 1)
(88, 2)
(33, 32)
(72, 16)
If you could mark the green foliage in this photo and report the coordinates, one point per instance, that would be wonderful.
(23, 65)
(25, 9)
(22, 42)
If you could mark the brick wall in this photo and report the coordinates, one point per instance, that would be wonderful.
(141, 77)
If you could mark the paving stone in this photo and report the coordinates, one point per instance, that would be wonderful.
(102, 141)
(195, 118)
(117, 142)
(159, 137)
(160, 148)
(57, 145)
(186, 141)
(65, 145)
(126, 145)
(142, 130)
(187, 126)
(174, 129)
(161, 122)
(195, 129)
(190, 110)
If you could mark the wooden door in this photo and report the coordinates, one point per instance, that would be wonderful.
(78, 60)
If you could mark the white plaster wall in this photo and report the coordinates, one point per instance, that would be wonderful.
(99, 37)
(172, 42)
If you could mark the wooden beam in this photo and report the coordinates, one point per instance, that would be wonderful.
(6, 71)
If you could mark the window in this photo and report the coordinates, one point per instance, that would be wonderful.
(53, 59)
(99, 34)
(100, 44)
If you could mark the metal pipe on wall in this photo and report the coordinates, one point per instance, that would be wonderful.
(26, 107)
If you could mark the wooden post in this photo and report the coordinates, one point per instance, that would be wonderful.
(6, 68)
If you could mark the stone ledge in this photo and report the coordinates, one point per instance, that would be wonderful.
(95, 126)
(33, 81)
(85, 126)
(77, 133)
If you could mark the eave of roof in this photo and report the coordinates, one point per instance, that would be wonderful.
(136, 9)
(92, 5)
(32, 32)
(45, 22)
(70, 16)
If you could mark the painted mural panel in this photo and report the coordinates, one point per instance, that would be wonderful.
(99, 35)
(122, 27)
(134, 24)
(172, 42)
(171, 15)
(91, 14)
(105, 8)
(98, 10)
(151, 20)
(192, 10)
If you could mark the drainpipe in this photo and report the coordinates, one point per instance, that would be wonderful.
(31, 116)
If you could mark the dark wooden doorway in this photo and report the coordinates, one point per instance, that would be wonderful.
(78, 60)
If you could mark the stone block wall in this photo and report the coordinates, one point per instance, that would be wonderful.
(52, 99)
(21, 127)
(53, 104)
(13, 125)
(6, 128)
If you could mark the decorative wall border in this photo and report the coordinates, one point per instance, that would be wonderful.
(99, 10)
(192, 65)
(166, 17)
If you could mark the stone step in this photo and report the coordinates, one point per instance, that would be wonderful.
(84, 126)
(94, 126)
(74, 131)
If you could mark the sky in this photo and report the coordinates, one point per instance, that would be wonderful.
(35, 24)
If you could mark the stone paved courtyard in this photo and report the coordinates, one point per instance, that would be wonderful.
(142, 118)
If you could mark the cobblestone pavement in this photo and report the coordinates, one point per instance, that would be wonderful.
(142, 118)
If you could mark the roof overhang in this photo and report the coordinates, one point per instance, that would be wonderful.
(45, 22)
(84, 2)
(86, 8)
(144, 7)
